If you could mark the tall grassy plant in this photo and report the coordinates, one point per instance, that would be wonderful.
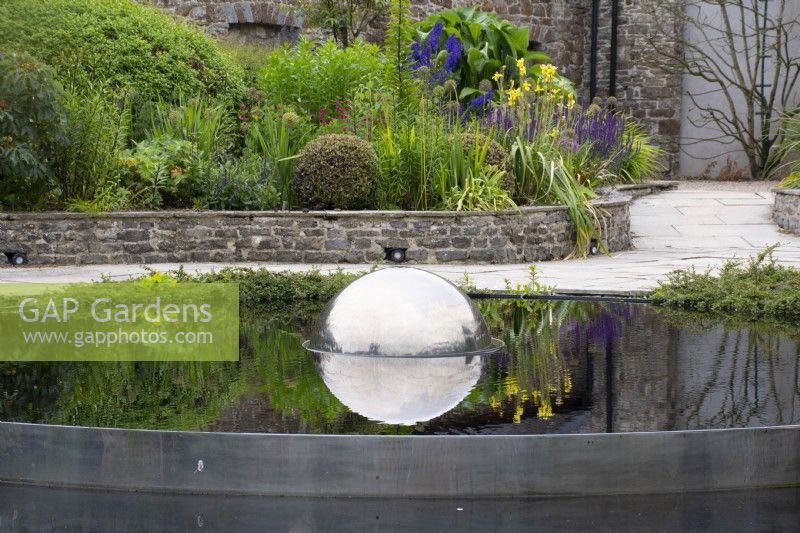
(410, 150)
(205, 123)
(88, 164)
(547, 179)
(278, 139)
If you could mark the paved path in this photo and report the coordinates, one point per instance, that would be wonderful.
(693, 226)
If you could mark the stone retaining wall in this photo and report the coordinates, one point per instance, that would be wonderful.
(787, 209)
(530, 234)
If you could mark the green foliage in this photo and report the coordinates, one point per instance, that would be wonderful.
(482, 192)
(250, 57)
(792, 181)
(201, 122)
(243, 184)
(312, 78)
(344, 19)
(543, 177)
(644, 159)
(468, 180)
(121, 44)
(277, 138)
(491, 44)
(396, 44)
(789, 148)
(32, 127)
(496, 154)
(412, 148)
(87, 164)
(263, 291)
(110, 196)
(163, 172)
(758, 289)
(336, 171)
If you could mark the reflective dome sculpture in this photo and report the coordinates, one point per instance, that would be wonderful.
(402, 312)
(397, 390)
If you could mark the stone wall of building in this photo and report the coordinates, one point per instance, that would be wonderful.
(787, 209)
(530, 234)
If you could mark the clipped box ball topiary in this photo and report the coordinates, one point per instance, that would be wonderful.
(119, 44)
(336, 171)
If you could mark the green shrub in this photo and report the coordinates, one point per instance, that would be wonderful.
(239, 185)
(163, 172)
(758, 289)
(313, 78)
(336, 171)
(119, 43)
(32, 127)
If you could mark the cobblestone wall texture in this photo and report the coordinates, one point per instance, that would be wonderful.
(562, 28)
(531, 234)
(787, 209)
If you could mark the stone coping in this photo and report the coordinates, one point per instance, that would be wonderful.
(790, 192)
(328, 214)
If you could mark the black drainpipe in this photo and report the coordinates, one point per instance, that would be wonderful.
(612, 75)
(593, 50)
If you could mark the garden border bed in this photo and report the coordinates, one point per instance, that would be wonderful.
(786, 212)
(529, 234)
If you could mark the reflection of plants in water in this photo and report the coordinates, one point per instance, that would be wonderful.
(538, 334)
(749, 373)
(533, 373)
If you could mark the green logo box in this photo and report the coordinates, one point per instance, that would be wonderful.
(126, 321)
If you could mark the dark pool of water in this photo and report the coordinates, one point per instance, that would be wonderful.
(569, 367)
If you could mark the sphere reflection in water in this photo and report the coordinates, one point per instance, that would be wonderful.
(400, 390)
(401, 345)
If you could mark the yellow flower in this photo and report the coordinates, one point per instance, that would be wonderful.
(498, 76)
(554, 133)
(548, 72)
(545, 410)
(526, 86)
(521, 68)
(518, 414)
(570, 101)
(513, 95)
(537, 88)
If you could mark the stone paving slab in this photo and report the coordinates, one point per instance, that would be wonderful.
(709, 227)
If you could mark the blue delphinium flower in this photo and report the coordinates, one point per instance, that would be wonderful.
(421, 53)
(482, 100)
(454, 51)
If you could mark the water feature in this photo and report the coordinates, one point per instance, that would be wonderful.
(568, 367)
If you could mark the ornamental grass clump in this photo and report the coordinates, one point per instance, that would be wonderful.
(336, 171)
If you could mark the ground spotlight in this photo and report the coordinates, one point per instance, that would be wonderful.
(396, 255)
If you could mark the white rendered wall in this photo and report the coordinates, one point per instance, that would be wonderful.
(704, 145)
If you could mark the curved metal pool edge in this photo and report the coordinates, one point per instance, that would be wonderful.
(399, 466)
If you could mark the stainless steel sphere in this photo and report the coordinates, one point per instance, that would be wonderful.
(397, 390)
(402, 312)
